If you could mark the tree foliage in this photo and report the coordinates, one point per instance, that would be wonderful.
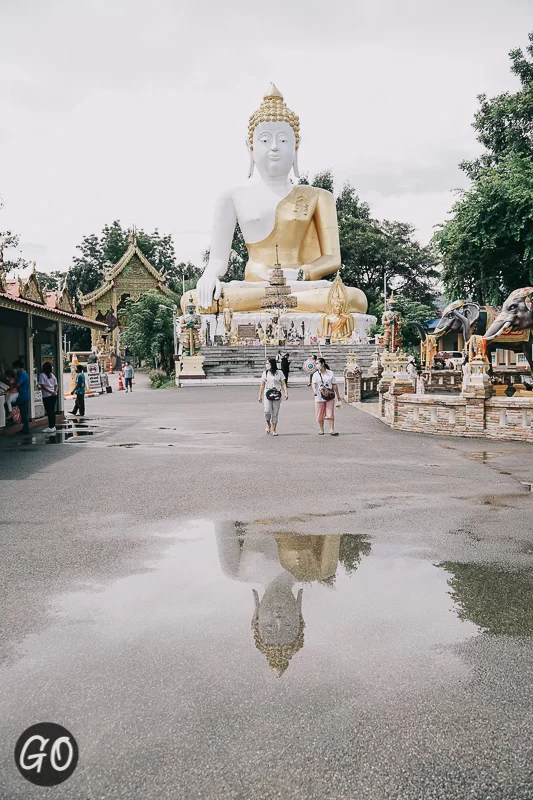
(51, 281)
(10, 241)
(412, 312)
(486, 247)
(504, 124)
(148, 330)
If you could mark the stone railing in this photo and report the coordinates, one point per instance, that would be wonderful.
(474, 412)
(359, 386)
(442, 380)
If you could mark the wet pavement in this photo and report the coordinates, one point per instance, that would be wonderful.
(214, 613)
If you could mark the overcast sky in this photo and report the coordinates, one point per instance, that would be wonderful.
(137, 110)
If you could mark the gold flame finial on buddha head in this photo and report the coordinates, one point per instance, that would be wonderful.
(274, 109)
(337, 294)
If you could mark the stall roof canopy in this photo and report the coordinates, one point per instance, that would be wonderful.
(8, 300)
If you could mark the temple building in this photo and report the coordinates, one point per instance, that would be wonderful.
(131, 277)
(31, 322)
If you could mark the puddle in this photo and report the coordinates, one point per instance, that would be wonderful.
(126, 444)
(383, 611)
(279, 643)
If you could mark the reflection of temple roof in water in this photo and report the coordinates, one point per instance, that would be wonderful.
(498, 600)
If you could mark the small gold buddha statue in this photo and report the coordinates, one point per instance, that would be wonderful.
(301, 220)
(337, 325)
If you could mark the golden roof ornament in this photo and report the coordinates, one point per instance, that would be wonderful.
(274, 109)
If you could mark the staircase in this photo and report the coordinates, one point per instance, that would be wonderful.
(249, 361)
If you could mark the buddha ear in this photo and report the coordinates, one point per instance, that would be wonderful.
(251, 156)
(256, 600)
(295, 165)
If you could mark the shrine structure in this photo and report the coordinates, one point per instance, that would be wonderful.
(131, 277)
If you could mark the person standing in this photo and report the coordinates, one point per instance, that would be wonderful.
(47, 383)
(286, 367)
(272, 384)
(22, 383)
(325, 389)
(128, 376)
(79, 392)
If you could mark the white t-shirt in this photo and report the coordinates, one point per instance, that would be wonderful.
(49, 382)
(272, 381)
(329, 379)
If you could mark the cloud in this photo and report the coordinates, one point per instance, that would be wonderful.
(390, 178)
(123, 110)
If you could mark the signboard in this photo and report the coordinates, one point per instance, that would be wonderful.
(94, 383)
(246, 331)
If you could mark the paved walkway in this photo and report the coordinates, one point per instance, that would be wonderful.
(131, 544)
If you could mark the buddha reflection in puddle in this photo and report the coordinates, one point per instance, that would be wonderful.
(278, 562)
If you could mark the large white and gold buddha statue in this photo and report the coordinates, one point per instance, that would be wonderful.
(301, 220)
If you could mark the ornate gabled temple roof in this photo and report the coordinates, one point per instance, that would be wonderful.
(61, 300)
(26, 294)
(112, 274)
(27, 288)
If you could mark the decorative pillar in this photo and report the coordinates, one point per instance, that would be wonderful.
(476, 390)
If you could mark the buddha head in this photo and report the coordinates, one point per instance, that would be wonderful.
(278, 624)
(273, 137)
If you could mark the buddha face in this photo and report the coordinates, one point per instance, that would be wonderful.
(274, 148)
(279, 616)
(337, 306)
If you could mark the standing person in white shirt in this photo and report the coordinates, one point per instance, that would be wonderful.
(47, 382)
(325, 389)
(272, 385)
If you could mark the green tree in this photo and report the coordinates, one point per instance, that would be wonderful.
(412, 312)
(504, 124)
(486, 246)
(10, 241)
(148, 330)
(51, 281)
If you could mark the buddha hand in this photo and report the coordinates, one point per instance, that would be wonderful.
(208, 288)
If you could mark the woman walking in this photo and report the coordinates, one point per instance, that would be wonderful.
(48, 385)
(285, 367)
(79, 391)
(272, 384)
(325, 389)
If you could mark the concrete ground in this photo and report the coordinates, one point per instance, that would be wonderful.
(131, 546)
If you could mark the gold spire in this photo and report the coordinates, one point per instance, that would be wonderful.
(273, 93)
(274, 109)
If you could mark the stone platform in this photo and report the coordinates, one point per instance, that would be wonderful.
(248, 361)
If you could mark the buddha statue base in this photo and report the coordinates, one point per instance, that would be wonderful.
(311, 330)
(192, 368)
